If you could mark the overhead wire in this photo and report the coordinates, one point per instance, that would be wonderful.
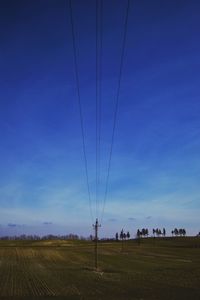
(100, 84)
(116, 107)
(99, 17)
(97, 103)
(80, 107)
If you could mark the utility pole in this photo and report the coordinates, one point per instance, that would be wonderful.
(96, 227)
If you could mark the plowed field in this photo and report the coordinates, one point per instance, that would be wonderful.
(165, 269)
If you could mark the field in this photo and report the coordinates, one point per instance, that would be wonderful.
(156, 269)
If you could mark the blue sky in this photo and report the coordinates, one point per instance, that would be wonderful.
(155, 170)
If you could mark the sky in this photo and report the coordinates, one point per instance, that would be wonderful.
(155, 167)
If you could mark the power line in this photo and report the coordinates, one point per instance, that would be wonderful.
(97, 102)
(80, 106)
(116, 106)
(99, 17)
(100, 81)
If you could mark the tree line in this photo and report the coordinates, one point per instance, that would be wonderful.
(144, 232)
(70, 236)
(180, 232)
(123, 235)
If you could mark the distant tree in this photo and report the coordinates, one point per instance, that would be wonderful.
(176, 231)
(164, 232)
(158, 232)
(143, 232)
(172, 232)
(180, 231)
(122, 234)
(122, 239)
(138, 234)
(128, 235)
(116, 236)
(184, 232)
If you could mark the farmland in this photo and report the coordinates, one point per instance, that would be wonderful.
(156, 269)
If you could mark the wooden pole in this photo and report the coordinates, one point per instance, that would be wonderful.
(96, 227)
